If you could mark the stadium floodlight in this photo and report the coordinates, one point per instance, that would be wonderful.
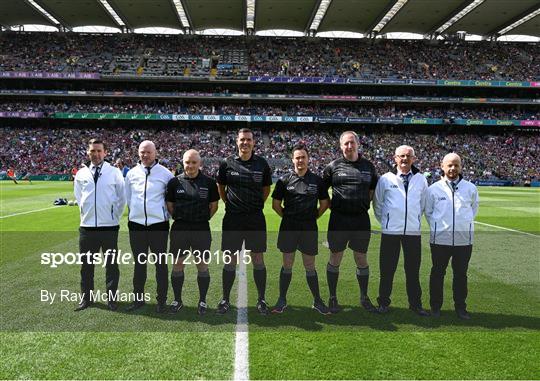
(250, 14)
(44, 12)
(389, 15)
(181, 13)
(319, 15)
(519, 22)
(459, 16)
(112, 12)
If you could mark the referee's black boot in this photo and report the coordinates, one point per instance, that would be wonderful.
(161, 308)
(280, 307)
(223, 307)
(83, 305)
(463, 314)
(366, 304)
(202, 308)
(320, 307)
(333, 305)
(134, 306)
(262, 307)
(383, 309)
(176, 306)
(419, 311)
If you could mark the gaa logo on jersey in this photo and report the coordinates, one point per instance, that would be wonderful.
(180, 191)
(257, 176)
(441, 199)
(312, 189)
(290, 187)
(341, 174)
(234, 173)
(394, 186)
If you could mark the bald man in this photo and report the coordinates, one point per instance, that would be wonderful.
(148, 223)
(192, 200)
(451, 206)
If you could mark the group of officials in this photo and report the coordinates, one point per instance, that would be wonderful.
(400, 198)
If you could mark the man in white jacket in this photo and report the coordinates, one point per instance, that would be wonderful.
(148, 223)
(451, 206)
(398, 204)
(99, 191)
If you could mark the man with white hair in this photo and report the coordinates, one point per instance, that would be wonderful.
(398, 205)
(148, 223)
(451, 206)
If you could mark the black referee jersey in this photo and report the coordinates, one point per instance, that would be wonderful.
(192, 197)
(300, 195)
(245, 181)
(351, 182)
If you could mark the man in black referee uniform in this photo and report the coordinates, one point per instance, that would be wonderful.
(353, 180)
(192, 200)
(299, 191)
(244, 185)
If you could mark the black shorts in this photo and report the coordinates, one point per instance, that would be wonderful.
(194, 237)
(239, 227)
(298, 235)
(354, 230)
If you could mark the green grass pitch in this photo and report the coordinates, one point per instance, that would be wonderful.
(38, 340)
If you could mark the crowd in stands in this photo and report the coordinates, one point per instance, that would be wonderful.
(513, 157)
(324, 110)
(197, 55)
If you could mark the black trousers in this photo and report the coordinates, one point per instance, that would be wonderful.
(388, 261)
(153, 237)
(93, 240)
(440, 256)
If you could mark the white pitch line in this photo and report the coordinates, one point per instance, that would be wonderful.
(241, 349)
(508, 229)
(29, 211)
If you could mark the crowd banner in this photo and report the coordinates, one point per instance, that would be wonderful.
(285, 79)
(51, 75)
(203, 95)
(191, 117)
(20, 114)
(53, 177)
(394, 81)
(285, 118)
(423, 121)
(486, 122)
(535, 123)
(495, 183)
(112, 116)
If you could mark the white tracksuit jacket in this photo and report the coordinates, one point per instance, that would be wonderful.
(101, 204)
(451, 214)
(145, 195)
(400, 212)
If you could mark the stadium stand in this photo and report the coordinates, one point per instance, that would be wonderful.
(195, 56)
(52, 151)
(388, 110)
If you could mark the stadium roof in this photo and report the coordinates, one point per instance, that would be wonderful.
(368, 17)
